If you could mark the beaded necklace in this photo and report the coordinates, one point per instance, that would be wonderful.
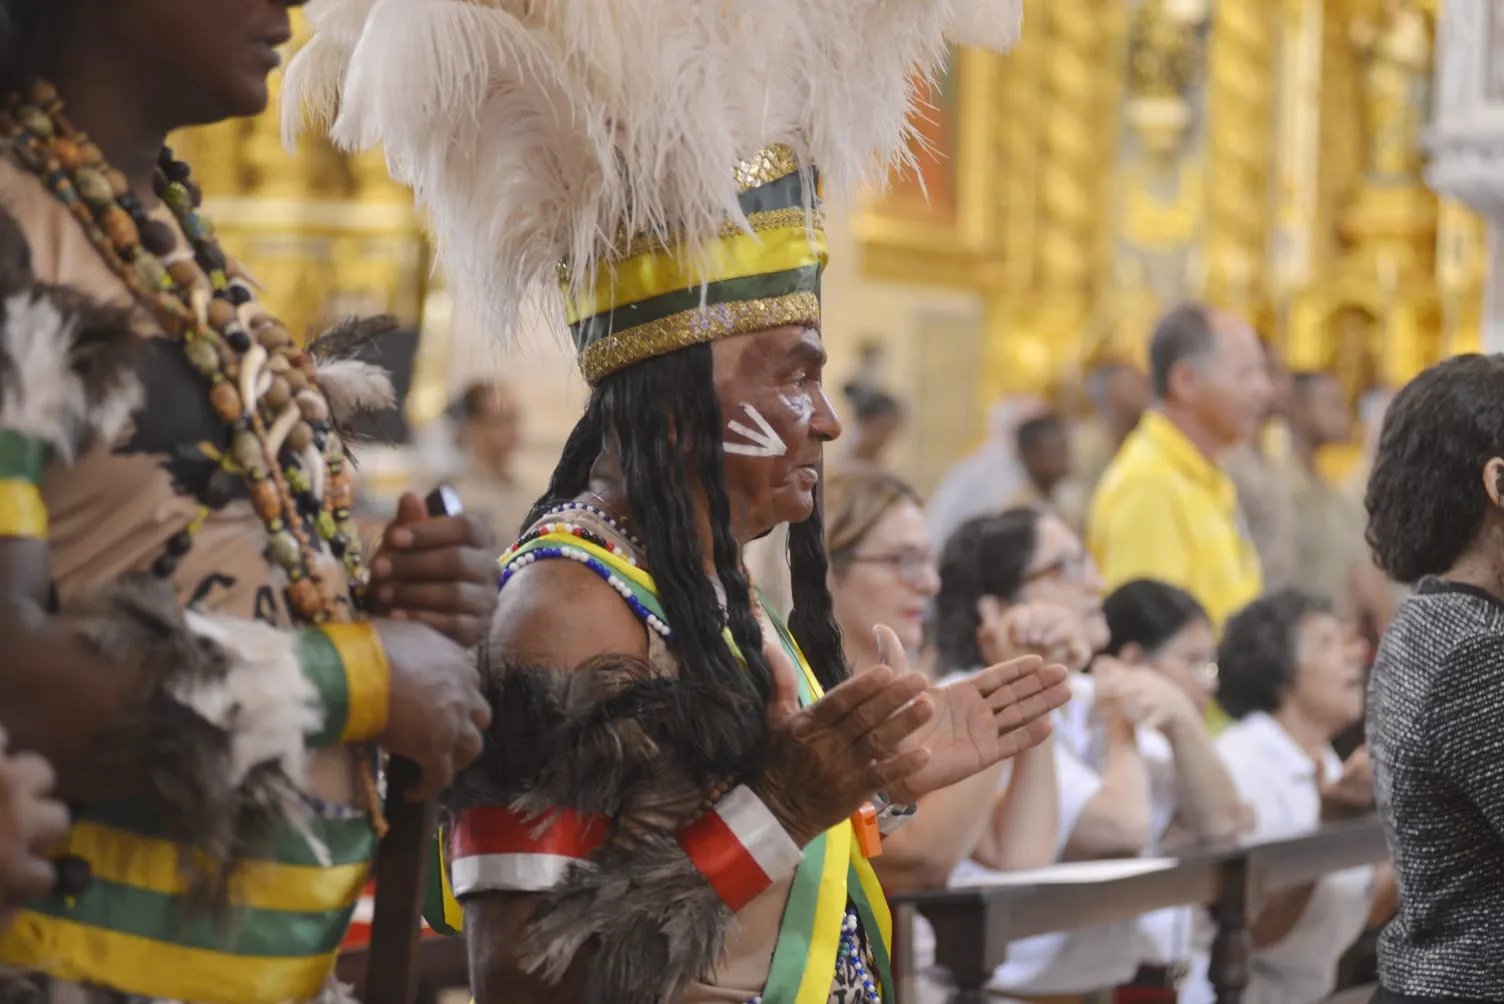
(282, 444)
(265, 388)
(556, 521)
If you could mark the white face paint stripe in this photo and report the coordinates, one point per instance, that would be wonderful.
(765, 441)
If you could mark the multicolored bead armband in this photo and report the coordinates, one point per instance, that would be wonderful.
(348, 667)
(740, 847)
(22, 513)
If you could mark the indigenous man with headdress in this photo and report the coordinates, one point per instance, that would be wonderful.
(189, 631)
(668, 808)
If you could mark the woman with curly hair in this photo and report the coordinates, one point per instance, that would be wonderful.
(1436, 519)
(1291, 674)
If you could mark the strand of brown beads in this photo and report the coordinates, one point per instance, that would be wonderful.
(261, 384)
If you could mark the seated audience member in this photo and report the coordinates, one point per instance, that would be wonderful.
(982, 483)
(1044, 447)
(1132, 757)
(1291, 674)
(32, 823)
(1435, 506)
(884, 571)
(879, 421)
(488, 434)
(1159, 626)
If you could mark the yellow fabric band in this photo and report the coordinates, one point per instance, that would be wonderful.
(656, 273)
(368, 677)
(79, 953)
(155, 865)
(22, 513)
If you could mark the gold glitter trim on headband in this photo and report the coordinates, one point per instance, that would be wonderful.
(771, 164)
(692, 327)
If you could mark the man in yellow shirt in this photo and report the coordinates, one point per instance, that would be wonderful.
(1165, 509)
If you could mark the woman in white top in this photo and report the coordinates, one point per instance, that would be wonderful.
(1132, 758)
(1292, 676)
(1162, 627)
(883, 570)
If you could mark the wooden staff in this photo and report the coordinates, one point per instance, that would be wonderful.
(402, 861)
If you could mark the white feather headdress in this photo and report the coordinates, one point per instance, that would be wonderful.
(539, 131)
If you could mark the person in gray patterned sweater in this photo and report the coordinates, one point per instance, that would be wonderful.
(1436, 696)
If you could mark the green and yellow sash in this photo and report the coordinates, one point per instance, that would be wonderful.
(833, 872)
(132, 929)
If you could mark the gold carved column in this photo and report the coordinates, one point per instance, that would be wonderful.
(1264, 155)
(1058, 119)
(1240, 155)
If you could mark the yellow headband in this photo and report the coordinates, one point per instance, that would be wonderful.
(654, 298)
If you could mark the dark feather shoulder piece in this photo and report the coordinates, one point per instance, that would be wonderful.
(650, 753)
(67, 364)
(217, 727)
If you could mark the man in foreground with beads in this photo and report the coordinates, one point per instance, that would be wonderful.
(671, 807)
(191, 634)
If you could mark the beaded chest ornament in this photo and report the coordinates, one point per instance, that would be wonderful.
(261, 384)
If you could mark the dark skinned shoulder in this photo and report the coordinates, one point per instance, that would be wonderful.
(560, 614)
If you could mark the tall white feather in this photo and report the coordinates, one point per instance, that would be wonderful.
(535, 131)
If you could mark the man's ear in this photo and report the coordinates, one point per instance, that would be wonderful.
(1183, 380)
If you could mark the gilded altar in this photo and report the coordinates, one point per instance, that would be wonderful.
(1267, 157)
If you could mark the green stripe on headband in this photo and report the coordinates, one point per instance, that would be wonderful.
(786, 192)
(753, 287)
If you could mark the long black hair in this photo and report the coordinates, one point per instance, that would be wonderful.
(30, 32)
(664, 415)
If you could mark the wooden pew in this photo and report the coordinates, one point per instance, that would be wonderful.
(974, 926)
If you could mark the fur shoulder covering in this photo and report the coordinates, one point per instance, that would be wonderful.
(647, 752)
(217, 729)
(67, 365)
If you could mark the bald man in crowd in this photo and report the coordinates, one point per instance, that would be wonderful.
(1165, 509)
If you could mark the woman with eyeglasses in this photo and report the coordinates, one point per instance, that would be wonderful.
(1135, 767)
(882, 565)
(1161, 627)
(883, 570)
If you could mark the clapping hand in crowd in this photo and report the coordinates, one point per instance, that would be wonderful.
(1053, 633)
(1143, 696)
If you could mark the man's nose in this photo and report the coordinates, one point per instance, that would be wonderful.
(825, 424)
